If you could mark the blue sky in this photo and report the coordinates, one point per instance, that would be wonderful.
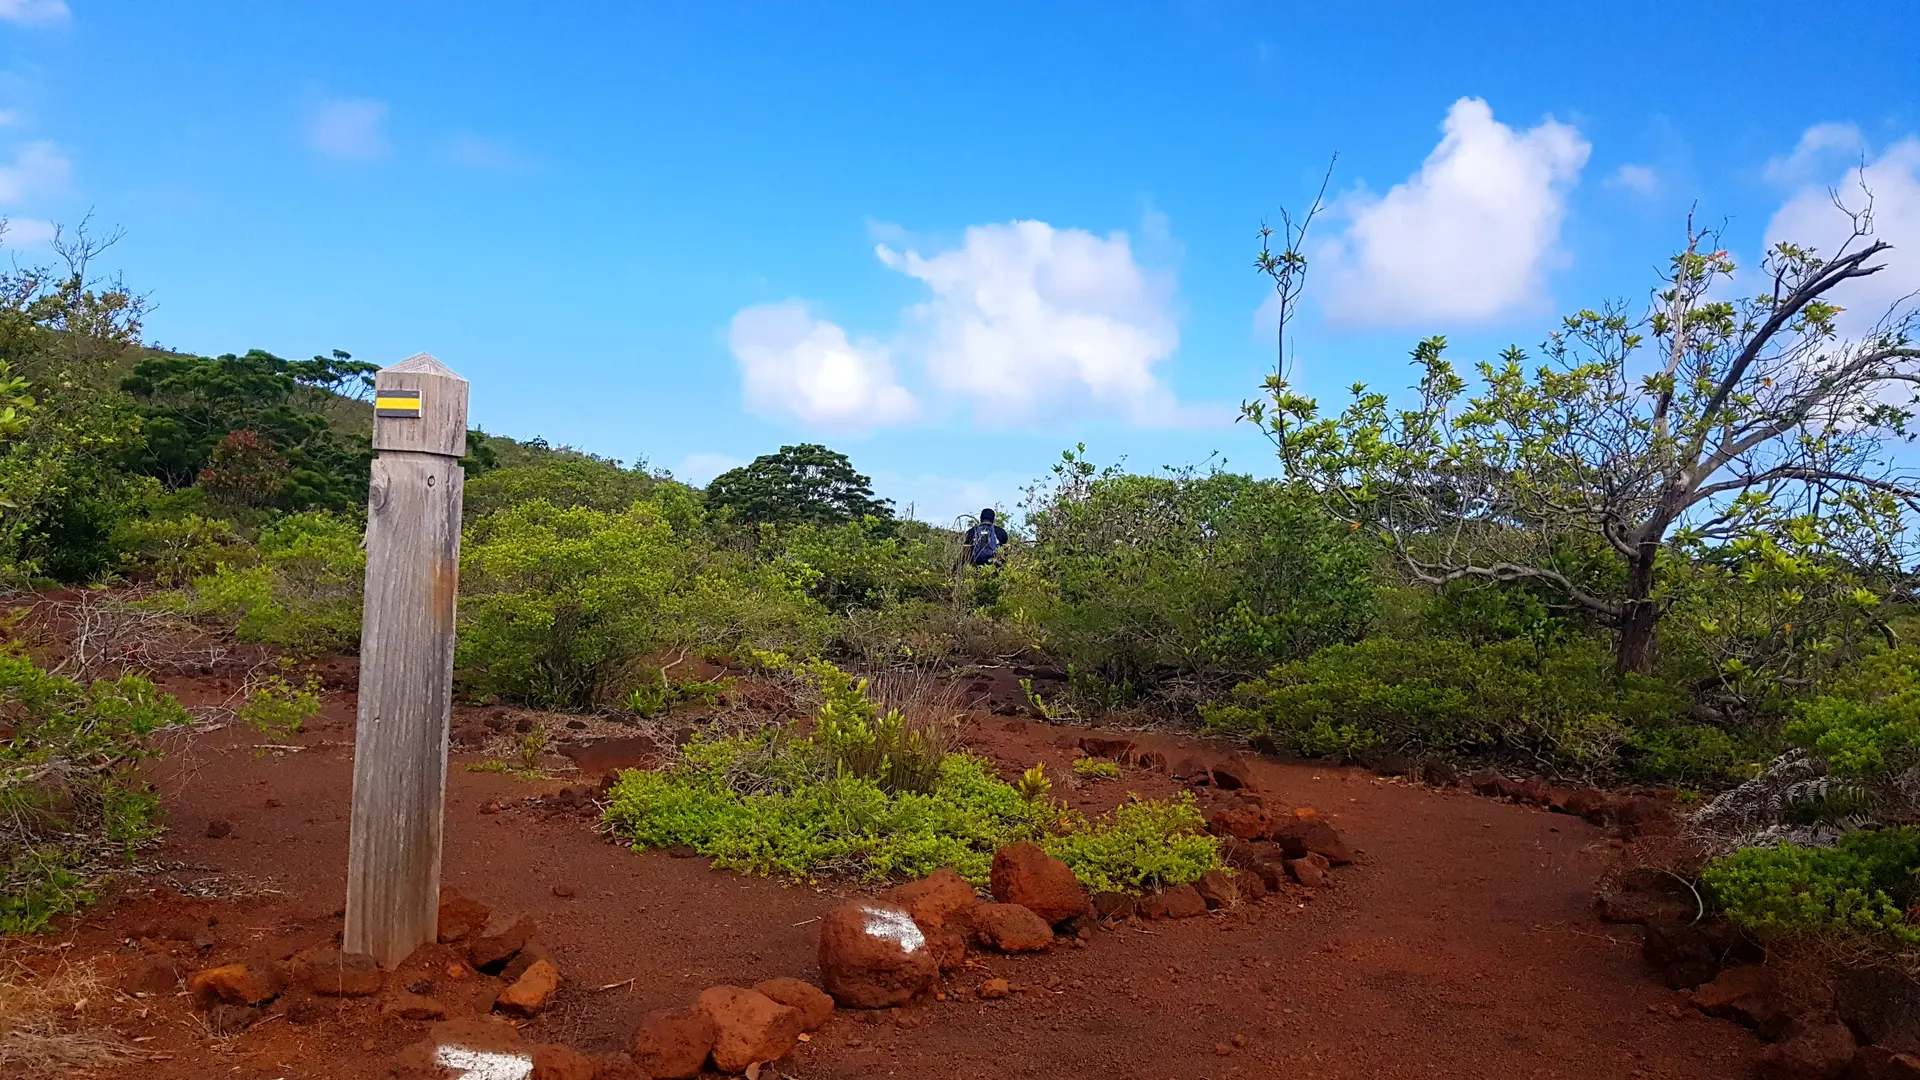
(950, 240)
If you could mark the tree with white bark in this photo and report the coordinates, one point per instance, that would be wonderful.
(1710, 421)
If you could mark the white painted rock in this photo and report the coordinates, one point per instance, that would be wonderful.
(873, 955)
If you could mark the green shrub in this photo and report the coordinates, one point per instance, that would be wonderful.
(560, 604)
(72, 803)
(560, 479)
(172, 551)
(1137, 579)
(277, 708)
(1861, 886)
(1143, 845)
(926, 632)
(652, 697)
(818, 823)
(862, 739)
(64, 485)
(1769, 615)
(1033, 785)
(871, 562)
(1437, 695)
(1689, 753)
(1867, 722)
(302, 595)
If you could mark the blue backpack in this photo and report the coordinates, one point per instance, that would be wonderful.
(986, 543)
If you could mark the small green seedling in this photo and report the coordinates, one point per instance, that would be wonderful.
(1036, 702)
(1096, 768)
(1034, 785)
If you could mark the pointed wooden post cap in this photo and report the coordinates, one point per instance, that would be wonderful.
(420, 405)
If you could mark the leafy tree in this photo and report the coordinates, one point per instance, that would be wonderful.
(1652, 438)
(66, 433)
(804, 484)
(191, 404)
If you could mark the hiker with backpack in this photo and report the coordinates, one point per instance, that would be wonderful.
(985, 539)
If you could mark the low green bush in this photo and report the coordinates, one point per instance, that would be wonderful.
(860, 738)
(1690, 753)
(72, 803)
(278, 708)
(303, 593)
(560, 603)
(656, 695)
(170, 551)
(1866, 723)
(1860, 887)
(779, 803)
(1446, 696)
(822, 824)
(871, 562)
(1093, 768)
(1145, 844)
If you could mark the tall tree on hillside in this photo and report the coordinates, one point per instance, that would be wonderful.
(192, 404)
(807, 484)
(1702, 424)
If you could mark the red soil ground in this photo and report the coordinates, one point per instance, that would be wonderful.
(1462, 945)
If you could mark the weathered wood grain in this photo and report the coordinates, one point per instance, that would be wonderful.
(406, 672)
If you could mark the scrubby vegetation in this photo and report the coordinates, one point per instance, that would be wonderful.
(1658, 549)
(1457, 698)
(296, 586)
(562, 603)
(71, 802)
(1091, 768)
(877, 793)
(1861, 886)
(1182, 583)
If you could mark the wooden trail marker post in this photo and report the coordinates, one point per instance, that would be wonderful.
(406, 659)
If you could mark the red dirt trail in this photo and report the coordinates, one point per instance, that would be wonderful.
(1462, 945)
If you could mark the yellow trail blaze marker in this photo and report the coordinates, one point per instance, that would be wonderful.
(397, 403)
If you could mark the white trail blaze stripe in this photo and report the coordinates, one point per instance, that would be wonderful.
(484, 1064)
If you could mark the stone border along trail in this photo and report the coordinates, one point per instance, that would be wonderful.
(1462, 944)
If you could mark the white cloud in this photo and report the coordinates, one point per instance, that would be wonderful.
(9, 117)
(21, 232)
(1817, 145)
(1636, 178)
(699, 468)
(1469, 236)
(350, 128)
(33, 11)
(1025, 316)
(36, 167)
(793, 363)
(1809, 217)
